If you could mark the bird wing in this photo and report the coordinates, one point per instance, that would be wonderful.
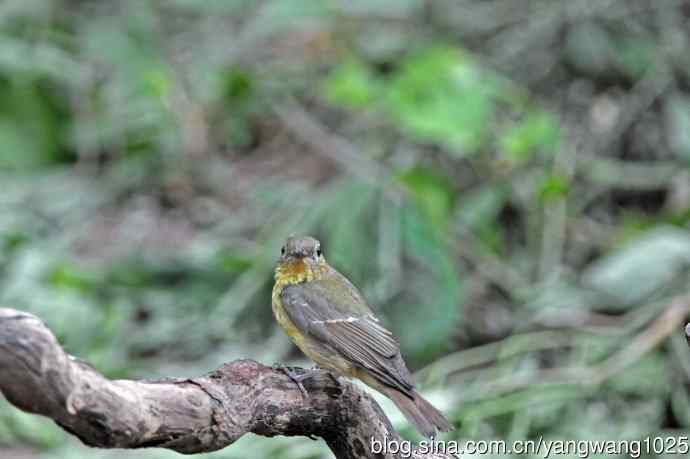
(340, 318)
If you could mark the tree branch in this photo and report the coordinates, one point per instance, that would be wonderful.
(192, 415)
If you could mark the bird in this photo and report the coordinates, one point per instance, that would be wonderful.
(328, 319)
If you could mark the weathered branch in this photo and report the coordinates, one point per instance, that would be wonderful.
(192, 415)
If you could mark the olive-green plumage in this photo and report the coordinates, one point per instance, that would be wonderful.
(329, 320)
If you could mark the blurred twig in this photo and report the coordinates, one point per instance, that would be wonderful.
(658, 331)
(645, 92)
(555, 211)
(487, 353)
(487, 264)
(639, 175)
(308, 130)
(569, 375)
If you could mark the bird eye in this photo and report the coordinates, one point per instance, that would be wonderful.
(318, 252)
(282, 250)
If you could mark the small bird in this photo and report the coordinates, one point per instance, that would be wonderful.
(329, 320)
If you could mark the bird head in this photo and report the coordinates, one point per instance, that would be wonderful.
(303, 248)
(300, 260)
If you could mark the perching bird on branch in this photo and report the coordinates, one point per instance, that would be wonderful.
(327, 318)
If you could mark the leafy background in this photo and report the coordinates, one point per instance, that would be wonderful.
(506, 180)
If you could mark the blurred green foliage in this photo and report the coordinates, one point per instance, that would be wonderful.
(507, 181)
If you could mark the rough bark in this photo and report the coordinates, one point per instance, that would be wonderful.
(191, 415)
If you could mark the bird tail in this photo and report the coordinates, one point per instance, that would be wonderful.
(425, 417)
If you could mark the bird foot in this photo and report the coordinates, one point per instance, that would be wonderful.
(297, 375)
(330, 374)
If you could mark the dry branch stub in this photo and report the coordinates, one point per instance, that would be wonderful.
(187, 415)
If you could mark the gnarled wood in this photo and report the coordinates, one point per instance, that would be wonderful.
(191, 415)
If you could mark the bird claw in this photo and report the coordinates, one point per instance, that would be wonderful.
(334, 378)
(296, 377)
(330, 374)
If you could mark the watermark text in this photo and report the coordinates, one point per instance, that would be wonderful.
(545, 449)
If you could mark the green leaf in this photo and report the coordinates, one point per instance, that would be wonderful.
(238, 86)
(232, 262)
(538, 133)
(157, 82)
(351, 85)
(442, 95)
(431, 193)
(553, 187)
(31, 126)
(70, 277)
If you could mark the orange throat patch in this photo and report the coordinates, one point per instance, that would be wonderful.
(296, 271)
